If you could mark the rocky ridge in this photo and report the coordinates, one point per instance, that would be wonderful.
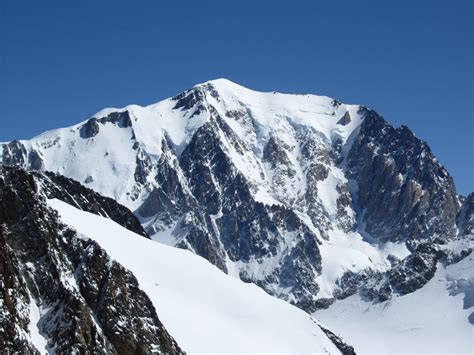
(62, 292)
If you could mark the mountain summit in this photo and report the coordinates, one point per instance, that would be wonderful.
(310, 198)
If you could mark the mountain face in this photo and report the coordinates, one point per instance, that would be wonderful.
(415, 194)
(309, 198)
(465, 217)
(206, 311)
(62, 292)
(77, 278)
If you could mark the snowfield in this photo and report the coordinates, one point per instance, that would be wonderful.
(438, 318)
(205, 310)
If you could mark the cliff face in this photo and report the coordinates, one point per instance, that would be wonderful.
(62, 292)
(465, 217)
(402, 191)
(70, 191)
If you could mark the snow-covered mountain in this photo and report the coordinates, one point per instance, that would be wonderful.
(76, 281)
(309, 198)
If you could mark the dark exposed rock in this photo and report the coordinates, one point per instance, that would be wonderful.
(14, 318)
(465, 216)
(275, 152)
(350, 283)
(318, 159)
(205, 163)
(89, 129)
(344, 219)
(111, 296)
(323, 303)
(35, 161)
(415, 270)
(122, 119)
(403, 192)
(201, 240)
(143, 167)
(404, 277)
(75, 194)
(346, 119)
(339, 342)
(336, 103)
(231, 224)
(187, 99)
(168, 200)
(14, 153)
(88, 180)
(409, 275)
(243, 230)
(90, 303)
(212, 91)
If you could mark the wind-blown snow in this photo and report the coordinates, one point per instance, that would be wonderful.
(438, 318)
(205, 310)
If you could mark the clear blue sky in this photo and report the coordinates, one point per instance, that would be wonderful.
(412, 61)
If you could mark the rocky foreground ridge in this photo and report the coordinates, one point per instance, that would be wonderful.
(59, 286)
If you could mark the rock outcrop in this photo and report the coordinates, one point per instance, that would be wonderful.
(86, 302)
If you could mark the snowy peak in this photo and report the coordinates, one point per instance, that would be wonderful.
(117, 136)
(269, 108)
(301, 194)
(177, 116)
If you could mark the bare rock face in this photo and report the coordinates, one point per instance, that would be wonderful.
(465, 217)
(88, 302)
(227, 222)
(14, 153)
(409, 275)
(75, 194)
(89, 129)
(346, 119)
(341, 345)
(403, 192)
(15, 298)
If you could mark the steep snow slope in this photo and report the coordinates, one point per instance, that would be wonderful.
(438, 318)
(205, 310)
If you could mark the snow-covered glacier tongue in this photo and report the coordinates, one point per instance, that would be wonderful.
(311, 199)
